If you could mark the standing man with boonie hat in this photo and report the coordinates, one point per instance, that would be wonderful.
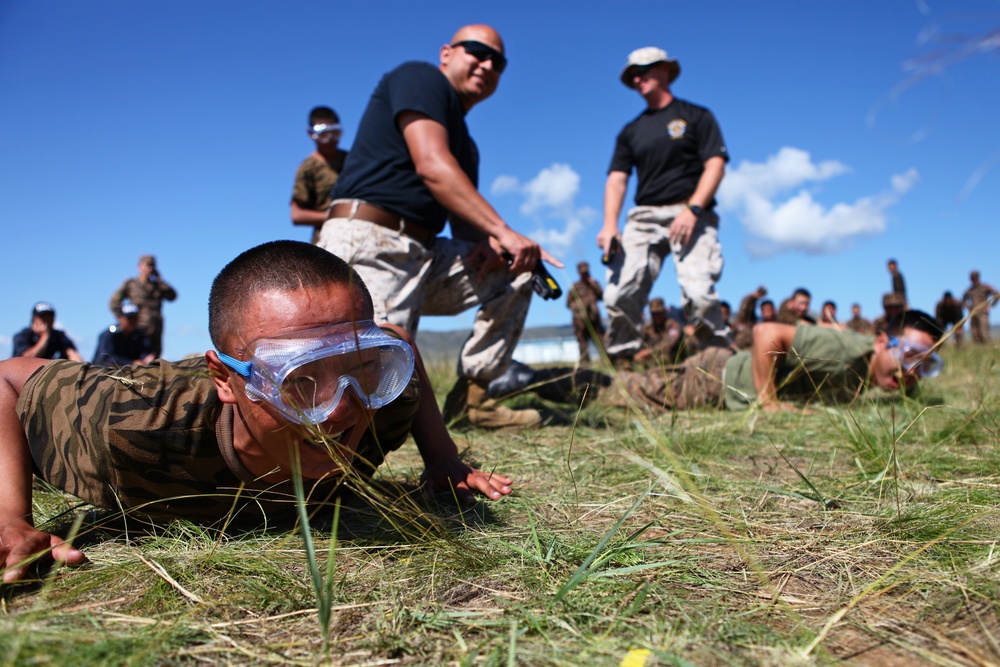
(679, 156)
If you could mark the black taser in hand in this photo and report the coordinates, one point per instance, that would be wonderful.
(542, 281)
(613, 249)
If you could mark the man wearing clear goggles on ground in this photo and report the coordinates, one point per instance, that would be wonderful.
(300, 378)
(786, 363)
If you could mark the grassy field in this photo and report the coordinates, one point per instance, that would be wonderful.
(865, 535)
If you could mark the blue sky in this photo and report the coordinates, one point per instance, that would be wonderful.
(858, 131)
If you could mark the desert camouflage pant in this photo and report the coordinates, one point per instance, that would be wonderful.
(695, 383)
(407, 279)
(645, 244)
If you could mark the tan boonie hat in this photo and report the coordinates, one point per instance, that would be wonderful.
(657, 306)
(147, 259)
(648, 55)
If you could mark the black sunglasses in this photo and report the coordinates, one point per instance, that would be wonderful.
(482, 52)
(642, 70)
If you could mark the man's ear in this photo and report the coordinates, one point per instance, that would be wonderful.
(221, 376)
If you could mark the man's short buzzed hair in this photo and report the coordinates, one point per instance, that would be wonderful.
(278, 265)
(319, 114)
(915, 319)
(803, 292)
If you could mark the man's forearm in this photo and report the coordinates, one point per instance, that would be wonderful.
(614, 198)
(708, 183)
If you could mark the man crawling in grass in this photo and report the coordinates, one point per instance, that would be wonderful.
(300, 378)
(786, 363)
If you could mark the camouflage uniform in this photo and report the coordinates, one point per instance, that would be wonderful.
(157, 440)
(860, 325)
(645, 243)
(582, 301)
(694, 383)
(665, 341)
(149, 297)
(975, 296)
(408, 279)
(314, 180)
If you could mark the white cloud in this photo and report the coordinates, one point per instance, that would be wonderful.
(550, 200)
(780, 213)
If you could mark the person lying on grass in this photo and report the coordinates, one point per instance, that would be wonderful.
(300, 378)
(786, 363)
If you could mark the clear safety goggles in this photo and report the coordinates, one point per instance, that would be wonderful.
(325, 132)
(915, 358)
(305, 374)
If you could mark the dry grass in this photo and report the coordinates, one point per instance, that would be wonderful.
(866, 535)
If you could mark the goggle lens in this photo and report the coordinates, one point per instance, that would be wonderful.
(483, 52)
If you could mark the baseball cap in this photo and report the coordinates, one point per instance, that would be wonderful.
(657, 306)
(43, 307)
(129, 309)
(648, 55)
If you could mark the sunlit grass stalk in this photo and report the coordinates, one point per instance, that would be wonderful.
(322, 588)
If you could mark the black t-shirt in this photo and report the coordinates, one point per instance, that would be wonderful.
(379, 169)
(668, 148)
(57, 347)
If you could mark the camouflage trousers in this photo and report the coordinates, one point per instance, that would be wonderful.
(407, 279)
(645, 244)
(582, 328)
(695, 383)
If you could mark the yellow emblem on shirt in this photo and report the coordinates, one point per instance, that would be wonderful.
(676, 128)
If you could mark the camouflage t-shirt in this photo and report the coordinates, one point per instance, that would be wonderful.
(314, 180)
(157, 440)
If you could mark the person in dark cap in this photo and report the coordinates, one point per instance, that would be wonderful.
(124, 344)
(677, 151)
(582, 302)
(42, 340)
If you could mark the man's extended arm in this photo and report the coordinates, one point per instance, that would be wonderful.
(444, 471)
(771, 341)
(307, 216)
(614, 199)
(427, 142)
(19, 539)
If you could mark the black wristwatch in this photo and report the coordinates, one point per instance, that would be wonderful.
(697, 210)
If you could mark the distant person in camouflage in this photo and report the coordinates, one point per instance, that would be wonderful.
(216, 438)
(893, 305)
(582, 302)
(318, 173)
(949, 312)
(42, 340)
(663, 339)
(148, 291)
(858, 324)
(795, 309)
(978, 299)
